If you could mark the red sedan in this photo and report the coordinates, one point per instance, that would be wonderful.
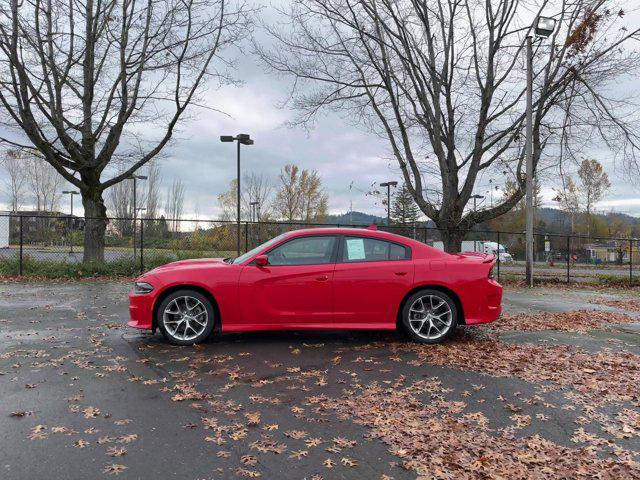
(320, 279)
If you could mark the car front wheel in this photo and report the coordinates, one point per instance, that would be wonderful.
(429, 316)
(186, 317)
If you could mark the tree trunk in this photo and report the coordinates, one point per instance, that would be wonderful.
(452, 240)
(95, 214)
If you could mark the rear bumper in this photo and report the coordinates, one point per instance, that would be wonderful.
(492, 305)
(140, 311)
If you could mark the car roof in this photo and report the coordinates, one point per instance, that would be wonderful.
(365, 232)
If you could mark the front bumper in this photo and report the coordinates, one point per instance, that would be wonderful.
(141, 310)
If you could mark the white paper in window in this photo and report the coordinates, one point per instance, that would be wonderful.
(355, 249)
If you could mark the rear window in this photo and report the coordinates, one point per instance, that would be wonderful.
(363, 249)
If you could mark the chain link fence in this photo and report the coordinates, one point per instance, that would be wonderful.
(52, 246)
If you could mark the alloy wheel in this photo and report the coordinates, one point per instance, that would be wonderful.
(430, 317)
(185, 318)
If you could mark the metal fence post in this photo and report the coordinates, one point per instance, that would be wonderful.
(498, 255)
(141, 245)
(246, 236)
(630, 260)
(21, 244)
(568, 258)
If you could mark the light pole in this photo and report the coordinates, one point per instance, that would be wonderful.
(244, 139)
(71, 193)
(389, 185)
(255, 216)
(475, 197)
(543, 27)
(135, 179)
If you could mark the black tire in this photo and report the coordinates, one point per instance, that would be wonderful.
(447, 330)
(178, 296)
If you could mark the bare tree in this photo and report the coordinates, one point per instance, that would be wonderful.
(14, 186)
(444, 82)
(44, 182)
(120, 204)
(255, 188)
(594, 182)
(152, 191)
(175, 204)
(81, 79)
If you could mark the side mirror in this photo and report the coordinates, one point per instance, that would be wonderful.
(262, 260)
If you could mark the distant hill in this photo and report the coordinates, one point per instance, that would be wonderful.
(356, 218)
(555, 220)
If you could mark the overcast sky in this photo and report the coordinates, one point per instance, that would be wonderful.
(342, 153)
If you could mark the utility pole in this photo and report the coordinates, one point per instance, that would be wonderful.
(528, 152)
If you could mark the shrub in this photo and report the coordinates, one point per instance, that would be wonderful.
(617, 280)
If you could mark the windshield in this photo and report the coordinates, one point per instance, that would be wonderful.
(250, 253)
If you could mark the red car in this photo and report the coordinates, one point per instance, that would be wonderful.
(320, 279)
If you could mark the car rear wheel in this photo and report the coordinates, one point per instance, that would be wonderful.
(186, 317)
(429, 316)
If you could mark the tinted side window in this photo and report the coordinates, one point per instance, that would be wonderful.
(303, 251)
(359, 249)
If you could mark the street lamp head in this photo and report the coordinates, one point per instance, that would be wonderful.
(244, 139)
(141, 177)
(545, 26)
(70, 192)
(389, 184)
(254, 203)
(477, 196)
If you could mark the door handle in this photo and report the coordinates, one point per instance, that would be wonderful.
(400, 273)
(322, 278)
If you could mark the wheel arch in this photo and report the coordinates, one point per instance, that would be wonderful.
(186, 286)
(441, 288)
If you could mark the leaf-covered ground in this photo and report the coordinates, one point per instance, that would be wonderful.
(549, 392)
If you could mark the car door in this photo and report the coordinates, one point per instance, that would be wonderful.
(294, 288)
(371, 277)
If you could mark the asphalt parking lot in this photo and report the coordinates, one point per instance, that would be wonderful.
(550, 391)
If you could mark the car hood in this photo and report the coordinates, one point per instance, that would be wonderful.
(193, 262)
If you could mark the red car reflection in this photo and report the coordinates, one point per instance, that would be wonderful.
(320, 279)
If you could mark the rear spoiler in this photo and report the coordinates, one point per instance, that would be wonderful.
(486, 257)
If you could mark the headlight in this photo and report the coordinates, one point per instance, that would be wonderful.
(142, 287)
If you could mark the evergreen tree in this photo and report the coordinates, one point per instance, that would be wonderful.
(403, 207)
